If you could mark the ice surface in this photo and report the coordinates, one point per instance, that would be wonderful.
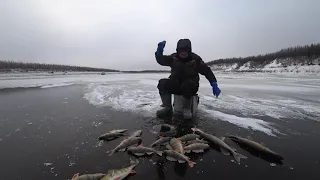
(57, 85)
(47, 164)
(250, 123)
(247, 100)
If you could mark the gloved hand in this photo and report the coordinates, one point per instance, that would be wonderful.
(216, 91)
(160, 48)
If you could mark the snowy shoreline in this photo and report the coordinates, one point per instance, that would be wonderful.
(277, 66)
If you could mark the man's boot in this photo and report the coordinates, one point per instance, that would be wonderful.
(166, 107)
(187, 114)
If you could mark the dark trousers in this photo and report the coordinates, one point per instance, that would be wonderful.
(186, 88)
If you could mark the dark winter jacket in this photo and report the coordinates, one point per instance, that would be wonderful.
(186, 69)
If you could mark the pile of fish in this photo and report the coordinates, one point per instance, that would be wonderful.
(175, 149)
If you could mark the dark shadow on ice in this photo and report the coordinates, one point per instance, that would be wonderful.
(180, 168)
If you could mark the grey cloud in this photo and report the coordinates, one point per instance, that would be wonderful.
(123, 34)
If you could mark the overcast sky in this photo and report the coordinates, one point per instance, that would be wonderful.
(123, 34)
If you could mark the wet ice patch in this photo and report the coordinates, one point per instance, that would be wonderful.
(248, 123)
(271, 106)
(57, 85)
(121, 97)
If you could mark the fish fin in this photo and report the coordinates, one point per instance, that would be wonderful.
(198, 151)
(140, 145)
(170, 158)
(75, 176)
(224, 151)
(138, 154)
(134, 162)
(160, 137)
(187, 151)
(249, 137)
(132, 171)
(263, 144)
(168, 146)
(126, 138)
(122, 150)
(111, 153)
(238, 156)
(159, 153)
(149, 153)
(191, 164)
(222, 138)
(179, 161)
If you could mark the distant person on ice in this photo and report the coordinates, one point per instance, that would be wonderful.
(184, 79)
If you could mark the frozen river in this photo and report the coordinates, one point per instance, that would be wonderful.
(63, 114)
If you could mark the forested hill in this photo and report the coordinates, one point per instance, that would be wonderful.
(293, 59)
(9, 66)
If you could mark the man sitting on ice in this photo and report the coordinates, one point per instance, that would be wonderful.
(184, 79)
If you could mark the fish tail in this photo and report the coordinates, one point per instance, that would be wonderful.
(75, 176)
(159, 153)
(191, 164)
(238, 156)
(134, 163)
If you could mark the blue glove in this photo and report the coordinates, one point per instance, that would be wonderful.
(216, 91)
(160, 48)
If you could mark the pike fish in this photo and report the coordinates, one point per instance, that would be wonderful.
(176, 156)
(160, 141)
(127, 142)
(196, 141)
(225, 148)
(189, 137)
(136, 133)
(176, 145)
(88, 176)
(119, 174)
(141, 150)
(110, 135)
(256, 146)
(196, 148)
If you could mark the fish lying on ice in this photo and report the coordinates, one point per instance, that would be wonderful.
(141, 150)
(110, 135)
(162, 140)
(118, 131)
(136, 133)
(196, 147)
(196, 141)
(119, 174)
(256, 146)
(127, 142)
(189, 137)
(225, 148)
(97, 176)
(172, 155)
(176, 144)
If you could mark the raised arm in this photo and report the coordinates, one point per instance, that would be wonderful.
(163, 59)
